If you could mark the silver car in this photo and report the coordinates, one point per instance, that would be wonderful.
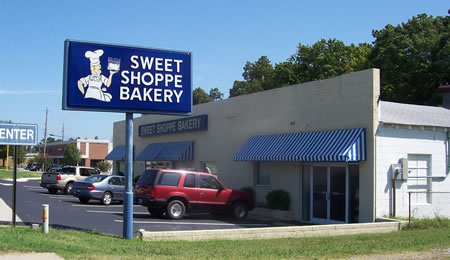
(103, 187)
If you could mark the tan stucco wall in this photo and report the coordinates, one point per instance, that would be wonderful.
(347, 101)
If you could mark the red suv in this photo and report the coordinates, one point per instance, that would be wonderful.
(176, 191)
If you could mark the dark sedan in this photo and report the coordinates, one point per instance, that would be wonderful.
(103, 187)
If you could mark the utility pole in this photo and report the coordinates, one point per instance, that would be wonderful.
(45, 140)
(63, 133)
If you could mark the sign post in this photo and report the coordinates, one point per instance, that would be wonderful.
(17, 134)
(127, 79)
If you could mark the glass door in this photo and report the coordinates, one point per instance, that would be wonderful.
(329, 185)
(320, 190)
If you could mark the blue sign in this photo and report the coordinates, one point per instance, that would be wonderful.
(195, 123)
(117, 78)
(18, 134)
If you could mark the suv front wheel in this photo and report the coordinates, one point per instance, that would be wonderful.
(175, 209)
(239, 210)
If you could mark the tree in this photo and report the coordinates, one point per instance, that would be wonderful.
(414, 59)
(329, 58)
(215, 94)
(20, 153)
(104, 166)
(200, 96)
(258, 76)
(72, 155)
(40, 159)
(49, 140)
(324, 59)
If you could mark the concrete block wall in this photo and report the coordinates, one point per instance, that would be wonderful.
(273, 232)
(394, 143)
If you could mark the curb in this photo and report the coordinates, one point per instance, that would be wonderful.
(274, 232)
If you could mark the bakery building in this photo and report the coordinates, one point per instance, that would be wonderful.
(316, 140)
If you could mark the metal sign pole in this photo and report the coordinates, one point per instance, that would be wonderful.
(14, 186)
(128, 199)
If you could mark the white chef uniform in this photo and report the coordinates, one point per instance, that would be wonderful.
(94, 82)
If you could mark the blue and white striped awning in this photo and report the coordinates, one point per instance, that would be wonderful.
(177, 151)
(117, 154)
(346, 145)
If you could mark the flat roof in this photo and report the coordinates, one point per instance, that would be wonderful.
(419, 115)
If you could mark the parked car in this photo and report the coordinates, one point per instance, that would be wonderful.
(175, 192)
(103, 187)
(54, 168)
(64, 179)
(35, 167)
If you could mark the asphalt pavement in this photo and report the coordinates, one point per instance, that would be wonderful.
(67, 212)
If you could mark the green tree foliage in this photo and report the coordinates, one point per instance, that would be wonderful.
(414, 59)
(324, 59)
(258, 76)
(215, 94)
(20, 153)
(40, 159)
(72, 155)
(200, 96)
(328, 58)
(104, 166)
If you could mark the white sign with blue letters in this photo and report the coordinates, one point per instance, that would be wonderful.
(18, 134)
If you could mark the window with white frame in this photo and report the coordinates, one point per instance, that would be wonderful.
(262, 174)
(419, 178)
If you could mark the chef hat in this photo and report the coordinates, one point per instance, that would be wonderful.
(94, 56)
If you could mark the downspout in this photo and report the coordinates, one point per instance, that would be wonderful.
(448, 153)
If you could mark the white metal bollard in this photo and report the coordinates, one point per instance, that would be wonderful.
(45, 218)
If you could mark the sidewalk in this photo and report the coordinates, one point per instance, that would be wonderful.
(6, 213)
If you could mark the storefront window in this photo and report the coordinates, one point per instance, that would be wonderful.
(262, 174)
(158, 164)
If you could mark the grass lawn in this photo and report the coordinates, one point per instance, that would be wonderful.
(90, 245)
(8, 174)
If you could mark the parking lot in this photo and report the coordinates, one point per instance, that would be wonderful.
(67, 212)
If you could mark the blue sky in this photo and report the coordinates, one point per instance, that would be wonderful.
(222, 36)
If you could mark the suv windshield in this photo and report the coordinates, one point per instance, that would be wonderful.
(147, 178)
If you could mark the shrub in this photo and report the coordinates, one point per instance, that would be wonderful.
(104, 166)
(248, 189)
(278, 199)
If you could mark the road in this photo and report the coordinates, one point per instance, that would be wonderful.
(67, 212)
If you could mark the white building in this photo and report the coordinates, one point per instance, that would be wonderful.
(318, 140)
(419, 134)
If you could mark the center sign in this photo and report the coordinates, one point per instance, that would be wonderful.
(117, 78)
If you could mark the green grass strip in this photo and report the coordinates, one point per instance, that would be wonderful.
(9, 174)
(90, 245)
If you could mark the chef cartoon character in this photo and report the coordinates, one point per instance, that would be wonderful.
(95, 80)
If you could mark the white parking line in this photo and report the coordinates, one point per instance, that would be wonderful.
(100, 206)
(61, 197)
(6, 184)
(194, 223)
(112, 212)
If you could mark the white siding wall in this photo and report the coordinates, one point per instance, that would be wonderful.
(393, 143)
